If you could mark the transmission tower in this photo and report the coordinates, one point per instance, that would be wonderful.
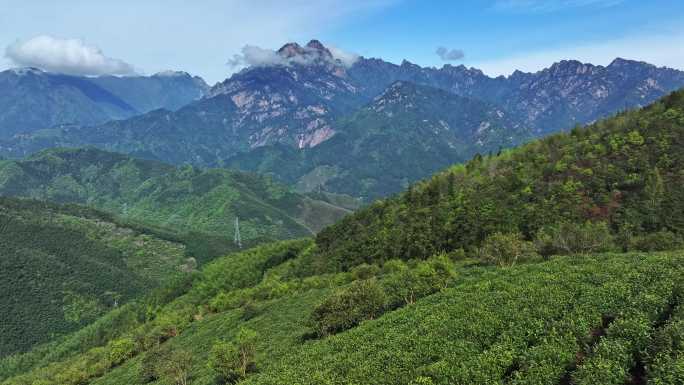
(237, 239)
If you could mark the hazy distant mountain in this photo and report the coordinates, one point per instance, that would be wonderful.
(31, 99)
(305, 96)
(169, 89)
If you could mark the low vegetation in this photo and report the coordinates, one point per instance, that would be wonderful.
(539, 322)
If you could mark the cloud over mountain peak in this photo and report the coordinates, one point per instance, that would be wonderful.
(69, 56)
(292, 53)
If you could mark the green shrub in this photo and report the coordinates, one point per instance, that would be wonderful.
(120, 350)
(608, 365)
(457, 255)
(176, 367)
(408, 285)
(171, 366)
(571, 238)
(506, 249)
(658, 241)
(393, 266)
(250, 310)
(347, 307)
(364, 271)
(149, 364)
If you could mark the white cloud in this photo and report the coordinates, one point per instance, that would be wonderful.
(346, 58)
(449, 54)
(256, 56)
(660, 50)
(541, 6)
(69, 56)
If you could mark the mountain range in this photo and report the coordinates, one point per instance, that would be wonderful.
(266, 116)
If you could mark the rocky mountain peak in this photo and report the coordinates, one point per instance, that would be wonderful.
(570, 67)
(449, 67)
(311, 52)
(619, 62)
(172, 74)
(407, 64)
(315, 44)
(290, 49)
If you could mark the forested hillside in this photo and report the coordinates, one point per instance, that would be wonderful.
(622, 175)
(185, 198)
(535, 266)
(61, 267)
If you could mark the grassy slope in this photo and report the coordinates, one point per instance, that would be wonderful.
(150, 192)
(49, 251)
(533, 318)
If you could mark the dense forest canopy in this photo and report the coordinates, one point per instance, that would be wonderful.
(61, 267)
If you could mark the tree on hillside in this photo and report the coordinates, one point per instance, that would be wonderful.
(176, 366)
(231, 362)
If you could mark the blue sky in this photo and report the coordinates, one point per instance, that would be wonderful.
(498, 36)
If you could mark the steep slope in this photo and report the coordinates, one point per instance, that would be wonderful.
(32, 100)
(62, 267)
(524, 324)
(407, 132)
(185, 199)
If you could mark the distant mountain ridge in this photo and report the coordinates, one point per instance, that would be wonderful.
(32, 99)
(567, 93)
